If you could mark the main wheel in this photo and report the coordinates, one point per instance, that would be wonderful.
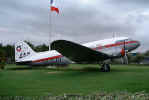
(105, 68)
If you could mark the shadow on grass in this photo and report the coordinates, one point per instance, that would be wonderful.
(26, 68)
(85, 69)
(81, 69)
(91, 69)
(74, 68)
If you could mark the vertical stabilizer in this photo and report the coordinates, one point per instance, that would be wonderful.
(22, 51)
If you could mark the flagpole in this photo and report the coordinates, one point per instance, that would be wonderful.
(52, 8)
(50, 29)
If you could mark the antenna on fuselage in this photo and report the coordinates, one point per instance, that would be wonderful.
(114, 35)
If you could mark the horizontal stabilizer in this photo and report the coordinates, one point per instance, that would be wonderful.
(77, 52)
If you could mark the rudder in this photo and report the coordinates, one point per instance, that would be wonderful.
(22, 50)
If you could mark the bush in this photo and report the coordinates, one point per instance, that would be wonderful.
(2, 59)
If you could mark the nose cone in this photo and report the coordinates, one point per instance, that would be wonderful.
(133, 45)
(137, 44)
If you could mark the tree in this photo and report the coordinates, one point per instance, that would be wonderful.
(146, 53)
(138, 58)
(10, 55)
(2, 59)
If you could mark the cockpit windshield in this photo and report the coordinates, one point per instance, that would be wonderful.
(129, 39)
(124, 40)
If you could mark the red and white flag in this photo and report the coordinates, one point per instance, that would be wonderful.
(53, 8)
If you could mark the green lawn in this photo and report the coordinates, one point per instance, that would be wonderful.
(82, 79)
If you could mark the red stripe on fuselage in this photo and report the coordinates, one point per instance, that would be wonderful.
(49, 58)
(114, 45)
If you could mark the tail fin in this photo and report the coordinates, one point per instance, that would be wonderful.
(22, 50)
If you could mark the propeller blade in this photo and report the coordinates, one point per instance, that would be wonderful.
(124, 57)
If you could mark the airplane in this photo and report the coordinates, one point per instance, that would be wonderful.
(24, 55)
(100, 51)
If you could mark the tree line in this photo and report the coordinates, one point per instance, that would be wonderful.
(7, 52)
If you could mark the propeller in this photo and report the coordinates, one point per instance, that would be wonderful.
(124, 52)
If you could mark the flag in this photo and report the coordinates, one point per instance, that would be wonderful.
(53, 8)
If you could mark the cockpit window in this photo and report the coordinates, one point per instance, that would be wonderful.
(125, 40)
(129, 39)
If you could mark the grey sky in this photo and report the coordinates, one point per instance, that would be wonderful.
(79, 20)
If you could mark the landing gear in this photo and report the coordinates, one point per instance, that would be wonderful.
(105, 67)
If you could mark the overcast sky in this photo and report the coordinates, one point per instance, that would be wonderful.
(79, 20)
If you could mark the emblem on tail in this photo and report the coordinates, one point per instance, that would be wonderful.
(18, 48)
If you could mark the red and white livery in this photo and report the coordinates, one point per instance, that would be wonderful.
(64, 52)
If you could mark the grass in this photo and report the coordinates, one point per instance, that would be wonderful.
(77, 79)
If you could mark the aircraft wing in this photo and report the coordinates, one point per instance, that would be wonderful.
(77, 52)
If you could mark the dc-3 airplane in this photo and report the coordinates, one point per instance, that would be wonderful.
(97, 51)
(62, 50)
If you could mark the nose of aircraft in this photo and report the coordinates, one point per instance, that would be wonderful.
(137, 44)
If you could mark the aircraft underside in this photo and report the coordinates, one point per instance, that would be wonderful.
(62, 61)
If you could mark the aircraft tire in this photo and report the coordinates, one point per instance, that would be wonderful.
(105, 68)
